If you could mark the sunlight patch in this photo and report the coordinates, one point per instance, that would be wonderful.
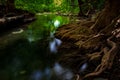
(57, 23)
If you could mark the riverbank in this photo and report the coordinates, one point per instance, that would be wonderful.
(13, 19)
(82, 51)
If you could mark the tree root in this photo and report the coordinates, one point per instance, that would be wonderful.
(90, 39)
(77, 77)
(107, 59)
(94, 56)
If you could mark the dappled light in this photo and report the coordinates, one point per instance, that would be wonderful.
(62, 73)
(47, 74)
(59, 39)
(18, 32)
(57, 2)
(30, 49)
(54, 44)
(83, 67)
(31, 39)
(57, 23)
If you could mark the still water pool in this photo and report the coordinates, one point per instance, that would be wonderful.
(31, 54)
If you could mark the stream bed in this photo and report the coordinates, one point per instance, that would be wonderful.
(31, 53)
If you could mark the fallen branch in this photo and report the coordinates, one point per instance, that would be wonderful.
(10, 19)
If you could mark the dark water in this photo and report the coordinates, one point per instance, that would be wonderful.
(31, 54)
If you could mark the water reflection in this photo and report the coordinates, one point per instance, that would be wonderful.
(48, 73)
(54, 44)
(83, 67)
(18, 31)
(58, 69)
(63, 73)
(30, 58)
(57, 72)
(36, 75)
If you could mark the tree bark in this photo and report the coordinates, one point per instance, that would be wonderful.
(111, 11)
(80, 8)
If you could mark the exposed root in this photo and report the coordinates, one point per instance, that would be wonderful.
(107, 59)
(68, 33)
(102, 47)
(78, 77)
(95, 55)
(92, 38)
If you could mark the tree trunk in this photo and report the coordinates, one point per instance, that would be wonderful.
(111, 11)
(10, 5)
(80, 8)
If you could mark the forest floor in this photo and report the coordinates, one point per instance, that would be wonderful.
(84, 52)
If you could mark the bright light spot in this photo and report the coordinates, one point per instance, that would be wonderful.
(54, 45)
(58, 69)
(31, 39)
(83, 67)
(57, 23)
(58, 42)
(18, 32)
(118, 20)
(68, 75)
(62, 73)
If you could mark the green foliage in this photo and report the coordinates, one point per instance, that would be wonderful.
(50, 5)
(33, 5)
(44, 25)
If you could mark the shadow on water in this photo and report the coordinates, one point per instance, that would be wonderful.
(33, 56)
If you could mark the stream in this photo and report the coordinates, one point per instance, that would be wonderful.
(31, 53)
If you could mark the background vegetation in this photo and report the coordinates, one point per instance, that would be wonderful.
(57, 5)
